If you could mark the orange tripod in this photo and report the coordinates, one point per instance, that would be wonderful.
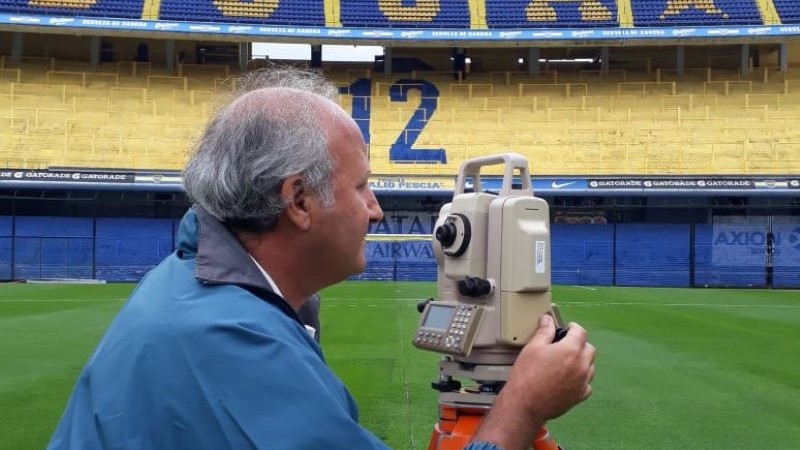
(457, 426)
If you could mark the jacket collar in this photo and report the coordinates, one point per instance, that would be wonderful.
(221, 259)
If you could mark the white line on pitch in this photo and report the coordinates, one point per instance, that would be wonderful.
(587, 288)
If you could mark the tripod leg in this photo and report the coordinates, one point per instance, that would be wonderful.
(544, 441)
(455, 429)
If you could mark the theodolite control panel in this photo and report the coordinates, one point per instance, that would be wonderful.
(448, 327)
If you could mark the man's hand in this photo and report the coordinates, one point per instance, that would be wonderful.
(547, 380)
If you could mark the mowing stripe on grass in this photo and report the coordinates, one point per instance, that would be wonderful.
(401, 339)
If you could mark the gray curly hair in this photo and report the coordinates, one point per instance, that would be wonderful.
(268, 130)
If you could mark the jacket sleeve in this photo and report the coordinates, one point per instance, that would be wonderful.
(273, 390)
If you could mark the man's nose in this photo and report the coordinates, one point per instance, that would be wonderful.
(375, 211)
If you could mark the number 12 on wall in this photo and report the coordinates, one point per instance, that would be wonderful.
(401, 150)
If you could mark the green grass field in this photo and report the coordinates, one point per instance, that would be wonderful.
(677, 368)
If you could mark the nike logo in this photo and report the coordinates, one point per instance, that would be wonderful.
(557, 185)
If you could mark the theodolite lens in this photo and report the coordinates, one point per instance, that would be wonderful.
(446, 234)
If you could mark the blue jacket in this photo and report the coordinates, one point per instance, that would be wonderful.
(205, 356)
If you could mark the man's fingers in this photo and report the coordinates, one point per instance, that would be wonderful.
(591, 351)
(576, 332)
(546, 331)
(587, 392)
(590, 374)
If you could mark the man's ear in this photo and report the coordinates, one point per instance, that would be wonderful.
(298, 201)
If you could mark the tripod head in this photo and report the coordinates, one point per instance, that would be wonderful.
(493, 255)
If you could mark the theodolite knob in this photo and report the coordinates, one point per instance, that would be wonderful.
(446, 234)
(561, 332)
(448, 385)
(474, 287)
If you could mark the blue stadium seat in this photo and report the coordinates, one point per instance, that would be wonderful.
(283, 12)
(123, 9)
(789, 10)
(668, 13)
(405, 14)
(551, 13)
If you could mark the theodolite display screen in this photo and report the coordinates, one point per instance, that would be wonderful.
(439, 316)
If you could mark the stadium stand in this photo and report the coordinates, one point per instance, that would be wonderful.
(789, 10)
(60, 114)
(395, 13)
(455, 14)
(558, 13)
(124, 9)
(650, 13)
(284, 12)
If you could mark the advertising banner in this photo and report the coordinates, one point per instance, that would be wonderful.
(401, 34)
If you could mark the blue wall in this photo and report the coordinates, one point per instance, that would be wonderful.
(53, 247)
(66, 247)
(128, 248)
(6, 224)
(730, 255)
(652, 255)
(400, 261)
(631, 254)
(582, 254)
(787, 254)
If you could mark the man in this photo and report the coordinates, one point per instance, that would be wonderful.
(209, 352)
